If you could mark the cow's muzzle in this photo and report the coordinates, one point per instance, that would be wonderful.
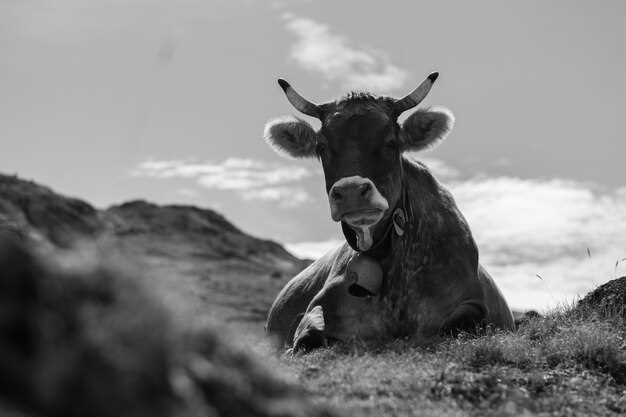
(310, 332)
(357, 201)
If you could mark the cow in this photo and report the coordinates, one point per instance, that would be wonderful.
(409, 265)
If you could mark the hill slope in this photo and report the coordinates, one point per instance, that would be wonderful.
(199, 260)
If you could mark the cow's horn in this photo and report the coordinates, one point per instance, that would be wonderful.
(299, 102)
(417, 95)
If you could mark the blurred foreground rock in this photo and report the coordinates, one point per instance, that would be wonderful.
(80, 337)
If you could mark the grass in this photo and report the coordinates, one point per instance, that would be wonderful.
(570, 362)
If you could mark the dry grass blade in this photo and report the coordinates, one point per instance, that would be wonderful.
(617, 262)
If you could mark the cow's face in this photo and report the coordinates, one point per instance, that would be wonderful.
(360, 144)
(348, 307)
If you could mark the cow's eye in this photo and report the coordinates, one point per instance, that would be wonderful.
(357, 291)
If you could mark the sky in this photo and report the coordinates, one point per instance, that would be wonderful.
(164, 100)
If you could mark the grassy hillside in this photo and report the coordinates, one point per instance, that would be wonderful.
(568, 363)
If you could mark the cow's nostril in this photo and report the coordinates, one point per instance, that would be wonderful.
(311, 339)
(335, 194)
(365, 189)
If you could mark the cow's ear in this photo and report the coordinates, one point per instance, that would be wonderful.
(426, 128)
(291, 136)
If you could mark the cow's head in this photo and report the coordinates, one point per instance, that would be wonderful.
(348, 307)
(360, 144)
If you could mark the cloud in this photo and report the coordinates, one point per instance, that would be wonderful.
(534, 234)
(312, 250)
(333, 56)
(286, 197)
(526, 227)
(251, 179)
(231, 174)
(540, 219)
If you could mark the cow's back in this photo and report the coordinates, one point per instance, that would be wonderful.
(498, 312)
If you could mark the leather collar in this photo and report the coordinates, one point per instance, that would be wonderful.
(396, 223)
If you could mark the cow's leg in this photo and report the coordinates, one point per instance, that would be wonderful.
(465, 318)
(291, 303)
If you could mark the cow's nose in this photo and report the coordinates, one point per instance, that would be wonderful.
(309, 340)
(350, 190)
